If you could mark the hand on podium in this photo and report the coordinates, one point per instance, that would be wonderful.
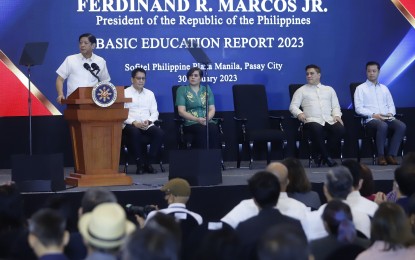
(60, 98)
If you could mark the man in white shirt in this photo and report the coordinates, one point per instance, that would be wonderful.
(287, 206)
(374, 100)
(337, 186)
(354, 199)
(320, 113)
(84, 69)
(140, 122)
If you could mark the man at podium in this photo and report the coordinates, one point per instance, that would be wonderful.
(84, 69)
(140, 122)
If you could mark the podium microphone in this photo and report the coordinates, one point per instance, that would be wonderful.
(91, 70)
(87, 67)
(95, 67)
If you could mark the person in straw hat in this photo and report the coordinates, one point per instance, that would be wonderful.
(104, 230)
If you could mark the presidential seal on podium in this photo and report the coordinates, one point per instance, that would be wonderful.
(104, 94)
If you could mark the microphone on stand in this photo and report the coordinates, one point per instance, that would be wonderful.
(91, 70)
(87, 67)
(95, 67)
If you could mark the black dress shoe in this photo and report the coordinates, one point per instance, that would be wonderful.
(330, 162)
(148, 168)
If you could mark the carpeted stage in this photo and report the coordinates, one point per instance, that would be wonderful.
(212, 202)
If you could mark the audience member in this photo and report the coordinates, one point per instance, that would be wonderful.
(104, 230)
(411, 212)
(287, 206)
(299, 187)
(221, 244)
(338, 222)
(13, 231)
(405, 180)
(338, 185)
(409, 158)
(265, 189)
(47, 234)
(177, 193)
(354, 199)
(390, 234)
(76, 249)
(63, 205)
(367, 188)
(168, 222)
(152, 242)
(284, 243)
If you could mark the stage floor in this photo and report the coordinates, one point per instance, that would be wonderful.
(231, 176)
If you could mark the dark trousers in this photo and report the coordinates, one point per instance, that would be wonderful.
(319, 133)
(199, 135)
(381, 128)
(138, 139)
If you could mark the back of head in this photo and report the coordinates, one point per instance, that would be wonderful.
(167, 222)
(355, 169)
(339, 182)
(151, 243)
(279, 170)
(178, 187)
(368, 185)
(105, 228)
(265, 189)
(298, 181)
(409, 158)
(338, 219)
(405, 178)
(283, 242)
(221, 244)
(390, 224)
(96, 196)
(11, 207)
(48, 226)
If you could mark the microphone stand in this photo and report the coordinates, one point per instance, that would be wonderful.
(207, 107)
(200, 56)
(29, 101)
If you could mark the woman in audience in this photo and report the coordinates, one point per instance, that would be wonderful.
(367, 189)
(338, 221)
(390, 234)
(299, 187)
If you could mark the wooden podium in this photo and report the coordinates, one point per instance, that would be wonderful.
(96, 139)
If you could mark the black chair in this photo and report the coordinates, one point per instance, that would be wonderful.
(146, 144)
(184, 140)
(364, 134)
(254, 124)
(303, 135)
(145, 141)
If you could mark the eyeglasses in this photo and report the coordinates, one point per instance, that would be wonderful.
(140, 78)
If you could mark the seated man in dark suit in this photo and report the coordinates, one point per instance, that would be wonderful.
(141, 116)
(320, 114)
(265, 189)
